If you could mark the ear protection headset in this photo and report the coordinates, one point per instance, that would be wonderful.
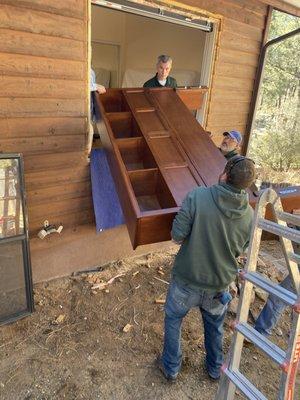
(234, 161)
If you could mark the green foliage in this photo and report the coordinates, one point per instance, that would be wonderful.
(276, 133)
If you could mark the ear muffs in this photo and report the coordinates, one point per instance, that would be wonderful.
(234, 161)
(236, 177)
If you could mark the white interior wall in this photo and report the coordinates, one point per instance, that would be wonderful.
(147, 38)
(108, 27)
(142, 39)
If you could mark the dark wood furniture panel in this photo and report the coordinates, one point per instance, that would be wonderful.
(157, 153)
(196, 143)
(192, 97)
(151, 168)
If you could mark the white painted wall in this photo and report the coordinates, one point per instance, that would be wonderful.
(147, 38)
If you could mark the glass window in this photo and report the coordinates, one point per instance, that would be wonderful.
(11, 212)
(275, 136)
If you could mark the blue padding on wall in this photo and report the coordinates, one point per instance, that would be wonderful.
(107, 208)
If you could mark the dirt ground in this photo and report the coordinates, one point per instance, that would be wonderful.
(74, 345)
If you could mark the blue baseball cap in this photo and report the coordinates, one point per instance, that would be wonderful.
(234, 135)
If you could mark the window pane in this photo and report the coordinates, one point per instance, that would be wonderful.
(11, 213)
(12, 282)
(275, 138)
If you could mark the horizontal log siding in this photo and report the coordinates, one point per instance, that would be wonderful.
(43, 105)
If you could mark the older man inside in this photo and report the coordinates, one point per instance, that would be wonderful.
(162, 78)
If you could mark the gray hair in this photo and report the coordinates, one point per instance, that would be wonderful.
(164, 59)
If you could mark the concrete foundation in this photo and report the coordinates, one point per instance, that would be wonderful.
(82, 249)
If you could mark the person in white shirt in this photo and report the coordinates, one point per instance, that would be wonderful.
(94, 87)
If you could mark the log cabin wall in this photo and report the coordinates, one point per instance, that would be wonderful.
(44, 113)
(44, 105)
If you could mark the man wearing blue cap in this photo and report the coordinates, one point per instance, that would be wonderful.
(231, 144)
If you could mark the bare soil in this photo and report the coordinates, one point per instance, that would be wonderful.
(74, 346)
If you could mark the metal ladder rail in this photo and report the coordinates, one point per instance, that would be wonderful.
(228, 385)
(288, 375)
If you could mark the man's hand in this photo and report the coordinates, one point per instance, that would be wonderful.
(101, 89)
(233, 290)
(177, 242)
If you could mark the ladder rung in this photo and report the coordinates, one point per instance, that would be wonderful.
(279, 230)
(244, 385)
(257, 279)
(288, 218)
(294, 257)
(269, 348)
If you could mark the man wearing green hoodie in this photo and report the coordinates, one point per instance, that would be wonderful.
(213, 227)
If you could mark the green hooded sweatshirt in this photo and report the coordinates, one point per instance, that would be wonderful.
(214, 224)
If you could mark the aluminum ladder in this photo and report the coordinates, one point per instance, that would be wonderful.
(232, 379)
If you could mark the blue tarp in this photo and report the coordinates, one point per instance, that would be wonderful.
(107, 208)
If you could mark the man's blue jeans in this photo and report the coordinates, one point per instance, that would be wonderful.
(272, 310)
(180, 300)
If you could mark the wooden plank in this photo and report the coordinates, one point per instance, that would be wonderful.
(235, 70)
(55, 177)
(232, 83)
(70, 8)
(27, 65)
(14, 86)
(42, 162)
(45, 210)
(190, 135)
(41, 45)
(192, 98)
(224, 107)
(68, 220)
(219, 94)
(43, 126)
(227, 119)
(242, 29)
(23, 107)
(237, 56)
(249, 5)
(43, 144)
(231, 40)
(233, 11)
(58, 193)
(21, 19)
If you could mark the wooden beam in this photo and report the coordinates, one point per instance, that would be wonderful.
(40, 67)
(43, 126)
(70, 8)
(20, 19)
(15, 86)
(40, 45)
(48, 161)
(40, 107)
(43, 144)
